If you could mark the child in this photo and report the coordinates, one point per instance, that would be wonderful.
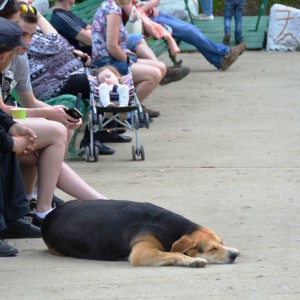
(111, 80)
(158, 31)
(233, 8)
(154, 29)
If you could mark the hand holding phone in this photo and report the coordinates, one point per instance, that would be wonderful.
(74, 113)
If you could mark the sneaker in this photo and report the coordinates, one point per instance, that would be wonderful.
(7, 250)
(32, 204)
(230, 58)
(20, 228)
(240, 48)
(37, 221)
(55, 203)
(175, 74)
(204, 17)
(226, 39)
(151, 113)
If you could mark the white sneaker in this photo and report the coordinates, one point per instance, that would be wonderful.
(204, 17)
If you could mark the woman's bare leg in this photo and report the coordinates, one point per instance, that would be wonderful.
(157, 64)
(142, 50)
(71, 183)
(51, 145)
(52, 171)
(146, 77)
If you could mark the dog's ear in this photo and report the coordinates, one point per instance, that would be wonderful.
(182, 245)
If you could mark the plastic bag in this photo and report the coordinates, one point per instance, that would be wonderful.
(134, 24)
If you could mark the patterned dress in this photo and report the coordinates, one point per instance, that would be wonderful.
(99, 30)
(52, 63)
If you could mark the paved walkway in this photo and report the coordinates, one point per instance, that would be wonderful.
(225, 153)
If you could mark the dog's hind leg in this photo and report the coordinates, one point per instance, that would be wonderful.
(149, 252)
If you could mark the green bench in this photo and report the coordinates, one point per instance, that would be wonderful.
(86, 11)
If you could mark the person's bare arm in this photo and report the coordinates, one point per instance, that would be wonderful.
(40, 109)
(84, 37)
(24, 139)
(44, 25)
(113, 37)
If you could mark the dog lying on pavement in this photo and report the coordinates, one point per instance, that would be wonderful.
(143, 233)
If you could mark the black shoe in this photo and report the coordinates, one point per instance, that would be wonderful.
(57, 201)
(37, 221)
(7, 250)
(20, 228)
(103, 150)
(151, 113)
(112, 138)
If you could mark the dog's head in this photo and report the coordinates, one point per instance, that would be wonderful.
(205, 244)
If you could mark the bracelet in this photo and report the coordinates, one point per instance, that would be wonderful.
(38, 112)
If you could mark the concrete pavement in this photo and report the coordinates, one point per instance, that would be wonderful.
(225, 153)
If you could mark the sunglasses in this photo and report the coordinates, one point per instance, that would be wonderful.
(24, 8)
(3, 4)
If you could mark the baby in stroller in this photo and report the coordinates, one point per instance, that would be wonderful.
(110, 80)
(114, 106)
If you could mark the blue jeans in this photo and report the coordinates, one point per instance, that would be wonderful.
(133, 40)
(234, 8)
(191, 34)
(207, 7)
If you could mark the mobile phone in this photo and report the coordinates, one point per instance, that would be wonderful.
(74, 113)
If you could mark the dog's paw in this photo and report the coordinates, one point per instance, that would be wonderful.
(198, 263)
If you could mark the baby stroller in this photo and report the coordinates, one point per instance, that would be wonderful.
(98, 120)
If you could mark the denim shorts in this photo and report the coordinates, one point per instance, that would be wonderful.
(133, 40)
(121, 66)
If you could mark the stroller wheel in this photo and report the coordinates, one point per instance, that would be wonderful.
(136, 121)
(147, 120)
(138, 152)
(87, 154)
(142, 152)
(96, 153)
(133, 152)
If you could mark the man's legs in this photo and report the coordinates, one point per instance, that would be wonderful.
(5, 249)
(228, 11)
(207, 7)
(238, 17)
(2, 222)
(13, 203)
(191, 34)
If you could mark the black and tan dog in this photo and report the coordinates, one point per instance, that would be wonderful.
(143, 233)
